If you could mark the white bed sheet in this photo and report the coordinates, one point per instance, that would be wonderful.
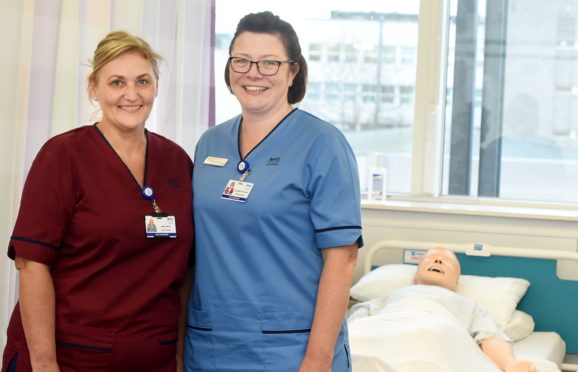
(544, 345)
(416, 341)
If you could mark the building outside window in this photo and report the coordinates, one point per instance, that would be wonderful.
(314, 90)
(406, 94)
(408, 55)
(368, 91)
(351, 53)
(387, 94)
(334, 53)
(370, 55)
(349, 92)
(332, 92)
(389, 55)
(315, 52)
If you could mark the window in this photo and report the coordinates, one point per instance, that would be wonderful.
(406, 95)
(387, 94)
(511, 121)
(369, 93)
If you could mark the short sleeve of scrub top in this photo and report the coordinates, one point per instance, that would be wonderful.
(334, 190)
(47, 202)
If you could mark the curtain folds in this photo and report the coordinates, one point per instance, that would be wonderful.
(46, 48)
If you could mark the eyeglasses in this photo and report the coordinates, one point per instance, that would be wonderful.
(267, 67)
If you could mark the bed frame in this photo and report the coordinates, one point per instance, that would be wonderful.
(552, 302)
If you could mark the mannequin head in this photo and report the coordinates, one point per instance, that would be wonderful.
(439, 266)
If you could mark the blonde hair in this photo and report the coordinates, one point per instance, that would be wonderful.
(115, 44)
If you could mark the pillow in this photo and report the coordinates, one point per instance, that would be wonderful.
(382, 281)
(499, 296)
(520, 326)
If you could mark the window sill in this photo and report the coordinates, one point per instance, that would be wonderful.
(475, 207)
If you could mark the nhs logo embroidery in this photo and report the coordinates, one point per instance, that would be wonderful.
(273, 161)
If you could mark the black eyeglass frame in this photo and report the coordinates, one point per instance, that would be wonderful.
(258, 63)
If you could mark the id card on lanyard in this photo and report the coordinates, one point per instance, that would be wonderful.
(239, 190)
(158, 224)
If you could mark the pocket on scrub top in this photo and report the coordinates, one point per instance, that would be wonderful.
(285, 335)
(199, 342)
(78, 346)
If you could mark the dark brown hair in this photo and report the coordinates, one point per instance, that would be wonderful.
(268, 23)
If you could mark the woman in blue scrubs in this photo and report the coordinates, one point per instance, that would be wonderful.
(277, 218)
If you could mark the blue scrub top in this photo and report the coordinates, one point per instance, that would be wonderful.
(258, 263)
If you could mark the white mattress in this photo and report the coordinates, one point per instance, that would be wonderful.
(547, 345)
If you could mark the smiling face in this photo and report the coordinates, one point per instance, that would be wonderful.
(439, 266)
(257, 93)
(125, 88)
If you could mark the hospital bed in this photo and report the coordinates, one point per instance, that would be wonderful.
(545, 327)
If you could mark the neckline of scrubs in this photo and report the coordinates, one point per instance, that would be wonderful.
(123, 163)
(264, 138)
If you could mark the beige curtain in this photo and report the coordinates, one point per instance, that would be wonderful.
(44, 53)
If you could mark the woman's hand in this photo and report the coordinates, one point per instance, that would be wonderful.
(310, 364)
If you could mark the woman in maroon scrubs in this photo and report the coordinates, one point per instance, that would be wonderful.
(97, 291)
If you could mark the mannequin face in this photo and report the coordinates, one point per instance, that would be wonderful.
(439, 266)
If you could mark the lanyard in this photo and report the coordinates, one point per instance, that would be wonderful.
(149, 193)
(244, 168)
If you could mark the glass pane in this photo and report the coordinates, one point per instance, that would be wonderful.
(370, 54)
(314, 90)
(332, 92)
(359, 54)
(333, 52)
(389, 55)
(315, 51)
(351, 53)
(512, 98)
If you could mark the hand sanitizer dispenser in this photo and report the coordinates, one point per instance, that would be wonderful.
(377, 181)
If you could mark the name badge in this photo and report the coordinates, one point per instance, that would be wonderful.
(237, 191)
(213, 160)
(160, 226)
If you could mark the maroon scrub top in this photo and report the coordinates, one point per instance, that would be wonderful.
(117, 291)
